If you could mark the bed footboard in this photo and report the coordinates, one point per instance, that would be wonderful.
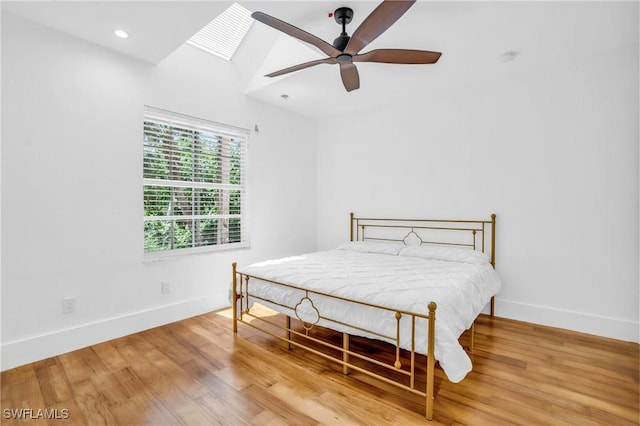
(303, 338)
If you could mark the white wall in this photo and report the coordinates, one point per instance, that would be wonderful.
(552, 150)
(72, 189)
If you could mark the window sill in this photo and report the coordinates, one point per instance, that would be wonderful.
(158, 256)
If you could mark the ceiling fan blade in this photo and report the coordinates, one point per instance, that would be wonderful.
(302, 66)
(350, 77)
(398, 56)
(383, 16)
(296, 33)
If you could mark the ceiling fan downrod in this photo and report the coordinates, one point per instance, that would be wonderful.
(342, 15)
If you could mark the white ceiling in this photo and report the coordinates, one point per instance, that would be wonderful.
(472, 35)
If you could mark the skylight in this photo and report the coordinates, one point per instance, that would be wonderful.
(223, 35)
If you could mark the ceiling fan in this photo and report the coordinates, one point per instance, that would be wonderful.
(345, 49)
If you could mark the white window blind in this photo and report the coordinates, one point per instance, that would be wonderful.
(223, 35)
(194, 181)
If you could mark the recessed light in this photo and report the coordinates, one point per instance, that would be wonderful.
(284, 96)
(509, 55)
(121, 33)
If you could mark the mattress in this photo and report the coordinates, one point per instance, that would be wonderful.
(460, 281)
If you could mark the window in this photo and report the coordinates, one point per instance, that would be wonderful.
(223, 35)
(194, 181)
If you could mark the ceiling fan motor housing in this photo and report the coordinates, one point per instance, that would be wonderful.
(341, 42)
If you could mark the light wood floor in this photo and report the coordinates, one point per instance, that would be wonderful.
(196, 372)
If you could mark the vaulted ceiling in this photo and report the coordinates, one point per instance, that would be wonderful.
(477, 40)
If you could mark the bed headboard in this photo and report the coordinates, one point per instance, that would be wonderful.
(473, 234)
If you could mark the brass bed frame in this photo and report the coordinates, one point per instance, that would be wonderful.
(473, 234)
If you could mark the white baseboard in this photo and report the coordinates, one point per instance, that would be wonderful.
(36, 348)
(614, 328)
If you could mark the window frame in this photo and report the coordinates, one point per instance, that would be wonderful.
(227, 135)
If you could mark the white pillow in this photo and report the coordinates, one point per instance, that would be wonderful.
(372, 247)
(452, 254)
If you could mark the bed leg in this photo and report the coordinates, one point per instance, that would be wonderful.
(493, 306)
(345, 353)
(431, 361)
(288, 327)
(473, 336)
(234, 302)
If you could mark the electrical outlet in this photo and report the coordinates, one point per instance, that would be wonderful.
(68, 305)
(165, 287)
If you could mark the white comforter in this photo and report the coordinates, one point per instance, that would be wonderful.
(461, 282)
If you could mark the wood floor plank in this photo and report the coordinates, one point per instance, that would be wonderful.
(16, 376)
(109, 356)
(226, 394)
(92, 404)
(268, 418)
(197, 372)
(307, 403)
(53, 383)
(219, 410)
(287, 413)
